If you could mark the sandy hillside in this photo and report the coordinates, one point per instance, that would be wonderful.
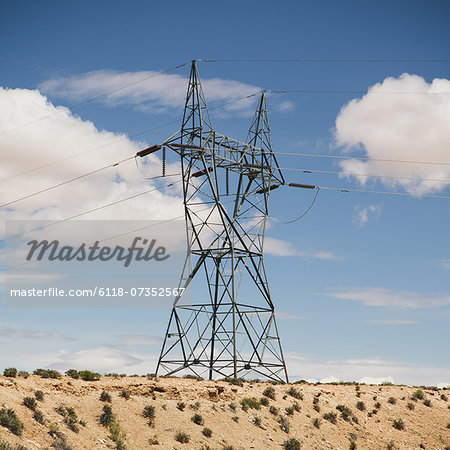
(218, 408)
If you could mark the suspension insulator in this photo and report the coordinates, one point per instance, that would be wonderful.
(163, 160)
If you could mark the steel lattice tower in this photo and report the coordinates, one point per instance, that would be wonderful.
(230, 329)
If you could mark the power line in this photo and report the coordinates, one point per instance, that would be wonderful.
(352, 92)
(94, 209)
(364, 175)
(330, 60)
(309, 155)
(89, 100)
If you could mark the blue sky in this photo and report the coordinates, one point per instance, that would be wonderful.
(361, 282)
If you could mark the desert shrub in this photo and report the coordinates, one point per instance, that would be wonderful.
(38, 416)
(53, 429)
(73, 373)
(235, 381)
(361, 406)
(410, 406)
(47, 373)
(346, 412)
(195, 406)
(153, 440)
(82, 423)
(296, 406)
(291, 444)
(444, 397)
(264, 401)
(316, 422)
(189, 376)
(70, 417)
(232, 406)
(257, 421)
(398, 424)
(207, 432)
(273, 410)
(419, 394)
(352, 445)
(9, 419)
(251, 402)
(390, 445)
(124, 394)
(107, 416)
(235, 419)
(30, 403)
(269, 392)
(87, 375)
(182, 437)
(149, 413)
(427, 402)
(39, 395)
(60, 443)
(448, 425)
(289, 411)
(316, 408)
(331, 417)
(105, 397)
(197, 419)
(10, 372)
(392, 400)
(284, 424)
(7, 446)
(23, 374)
(295, 393)
(378, 405)
(118, 435)
(181, 406)
(315, 400)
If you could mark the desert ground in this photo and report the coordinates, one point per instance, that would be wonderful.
(180, 413)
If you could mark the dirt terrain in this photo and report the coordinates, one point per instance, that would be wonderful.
(210, 414)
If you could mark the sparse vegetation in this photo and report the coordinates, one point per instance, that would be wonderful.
(23, 374)
(9, 419)
(207, 432)
(316, 422)
(70, 417)
(427, 402)
(10, 372)
(149, 413)
(197, 419)
(118, 435)
(378, 405)
(295, 393)
(289, 411)
(250, 402)
(331, 417)
(235, 419)
(291, 444)
(410, 406)
(7, 446)
(444, 397)
(264, 401)
(390, 445)
(38, 416)
(124, 394)
(398, 424)
(273, 410)
(419, 394)
(361, 406)
(181, 406)
(257, 421)
(153, 440)
(392, 400)
(182, 437)
(284, 424)
(107, 416)
(87, 375)
(46, 373)
(73, 374)
(346, 412)
(269, 392)
(39, 395)
(30, 403)
(105, 397)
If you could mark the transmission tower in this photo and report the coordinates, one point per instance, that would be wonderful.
(229, 329)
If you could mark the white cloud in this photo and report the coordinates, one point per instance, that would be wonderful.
(16, 333)
(97, 359)
(62, 135)
(149, 91)
(134, 340)
(362, 215)
(402, 118)
(371, 371)
(279, 247)
(378, 296)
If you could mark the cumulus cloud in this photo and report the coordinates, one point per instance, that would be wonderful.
(62, 135)
(404, 118)
(16, 333)
(151, 92)
(279, 247)
(379, 296)
(362, 215)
